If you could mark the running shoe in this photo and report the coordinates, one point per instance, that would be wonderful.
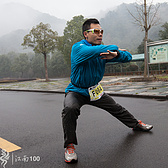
(70, 155)
(142, 127)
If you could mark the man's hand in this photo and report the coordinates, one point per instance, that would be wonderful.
(108, 55)
(122, 49)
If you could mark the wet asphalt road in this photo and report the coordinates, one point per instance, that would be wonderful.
(33, 122)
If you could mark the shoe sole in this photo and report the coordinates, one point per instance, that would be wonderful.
(72, 161)
(140, 129)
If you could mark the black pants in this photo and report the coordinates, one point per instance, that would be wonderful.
(74, 101)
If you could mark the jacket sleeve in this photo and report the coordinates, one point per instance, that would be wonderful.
(124, 56)
(81, 53)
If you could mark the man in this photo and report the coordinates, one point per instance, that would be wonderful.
(88, 59)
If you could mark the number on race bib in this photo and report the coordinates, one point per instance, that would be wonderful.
(95, 92)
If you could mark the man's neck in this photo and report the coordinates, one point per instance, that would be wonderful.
(92, 43)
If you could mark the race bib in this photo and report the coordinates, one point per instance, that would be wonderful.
(95, 92)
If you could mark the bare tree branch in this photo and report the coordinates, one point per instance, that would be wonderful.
(139, 18)
(146, 18)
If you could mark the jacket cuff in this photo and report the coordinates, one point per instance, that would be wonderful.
(118, 54)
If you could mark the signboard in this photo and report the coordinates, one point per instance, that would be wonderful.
(158, 52)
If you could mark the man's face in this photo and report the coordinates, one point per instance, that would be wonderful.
(94, 38)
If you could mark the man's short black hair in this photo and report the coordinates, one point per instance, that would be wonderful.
(87, 23)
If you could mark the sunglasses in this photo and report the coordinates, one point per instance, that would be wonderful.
(95, 31)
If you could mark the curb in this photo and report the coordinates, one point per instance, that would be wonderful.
(40, 91)
(111, 94)
(141, 96)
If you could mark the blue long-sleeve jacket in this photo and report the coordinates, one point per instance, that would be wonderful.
(87, 67)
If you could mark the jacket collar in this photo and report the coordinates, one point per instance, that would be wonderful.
(86, 42)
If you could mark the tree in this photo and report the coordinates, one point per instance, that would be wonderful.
(163, 34)
(58, 66)
(5, 65)
(43, 40)
(141, 46)
(20, 64)
(146, 18)
(132, 67)
(72, 34)
(37, 65)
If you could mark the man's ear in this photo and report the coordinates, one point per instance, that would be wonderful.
(85, 34)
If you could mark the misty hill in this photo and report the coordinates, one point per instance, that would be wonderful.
(13, 41)
(120, 29)
(15, 16)
(18, 20)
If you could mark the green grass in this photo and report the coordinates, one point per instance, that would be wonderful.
(162, 77)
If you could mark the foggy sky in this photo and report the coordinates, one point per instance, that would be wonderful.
(66, 9)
